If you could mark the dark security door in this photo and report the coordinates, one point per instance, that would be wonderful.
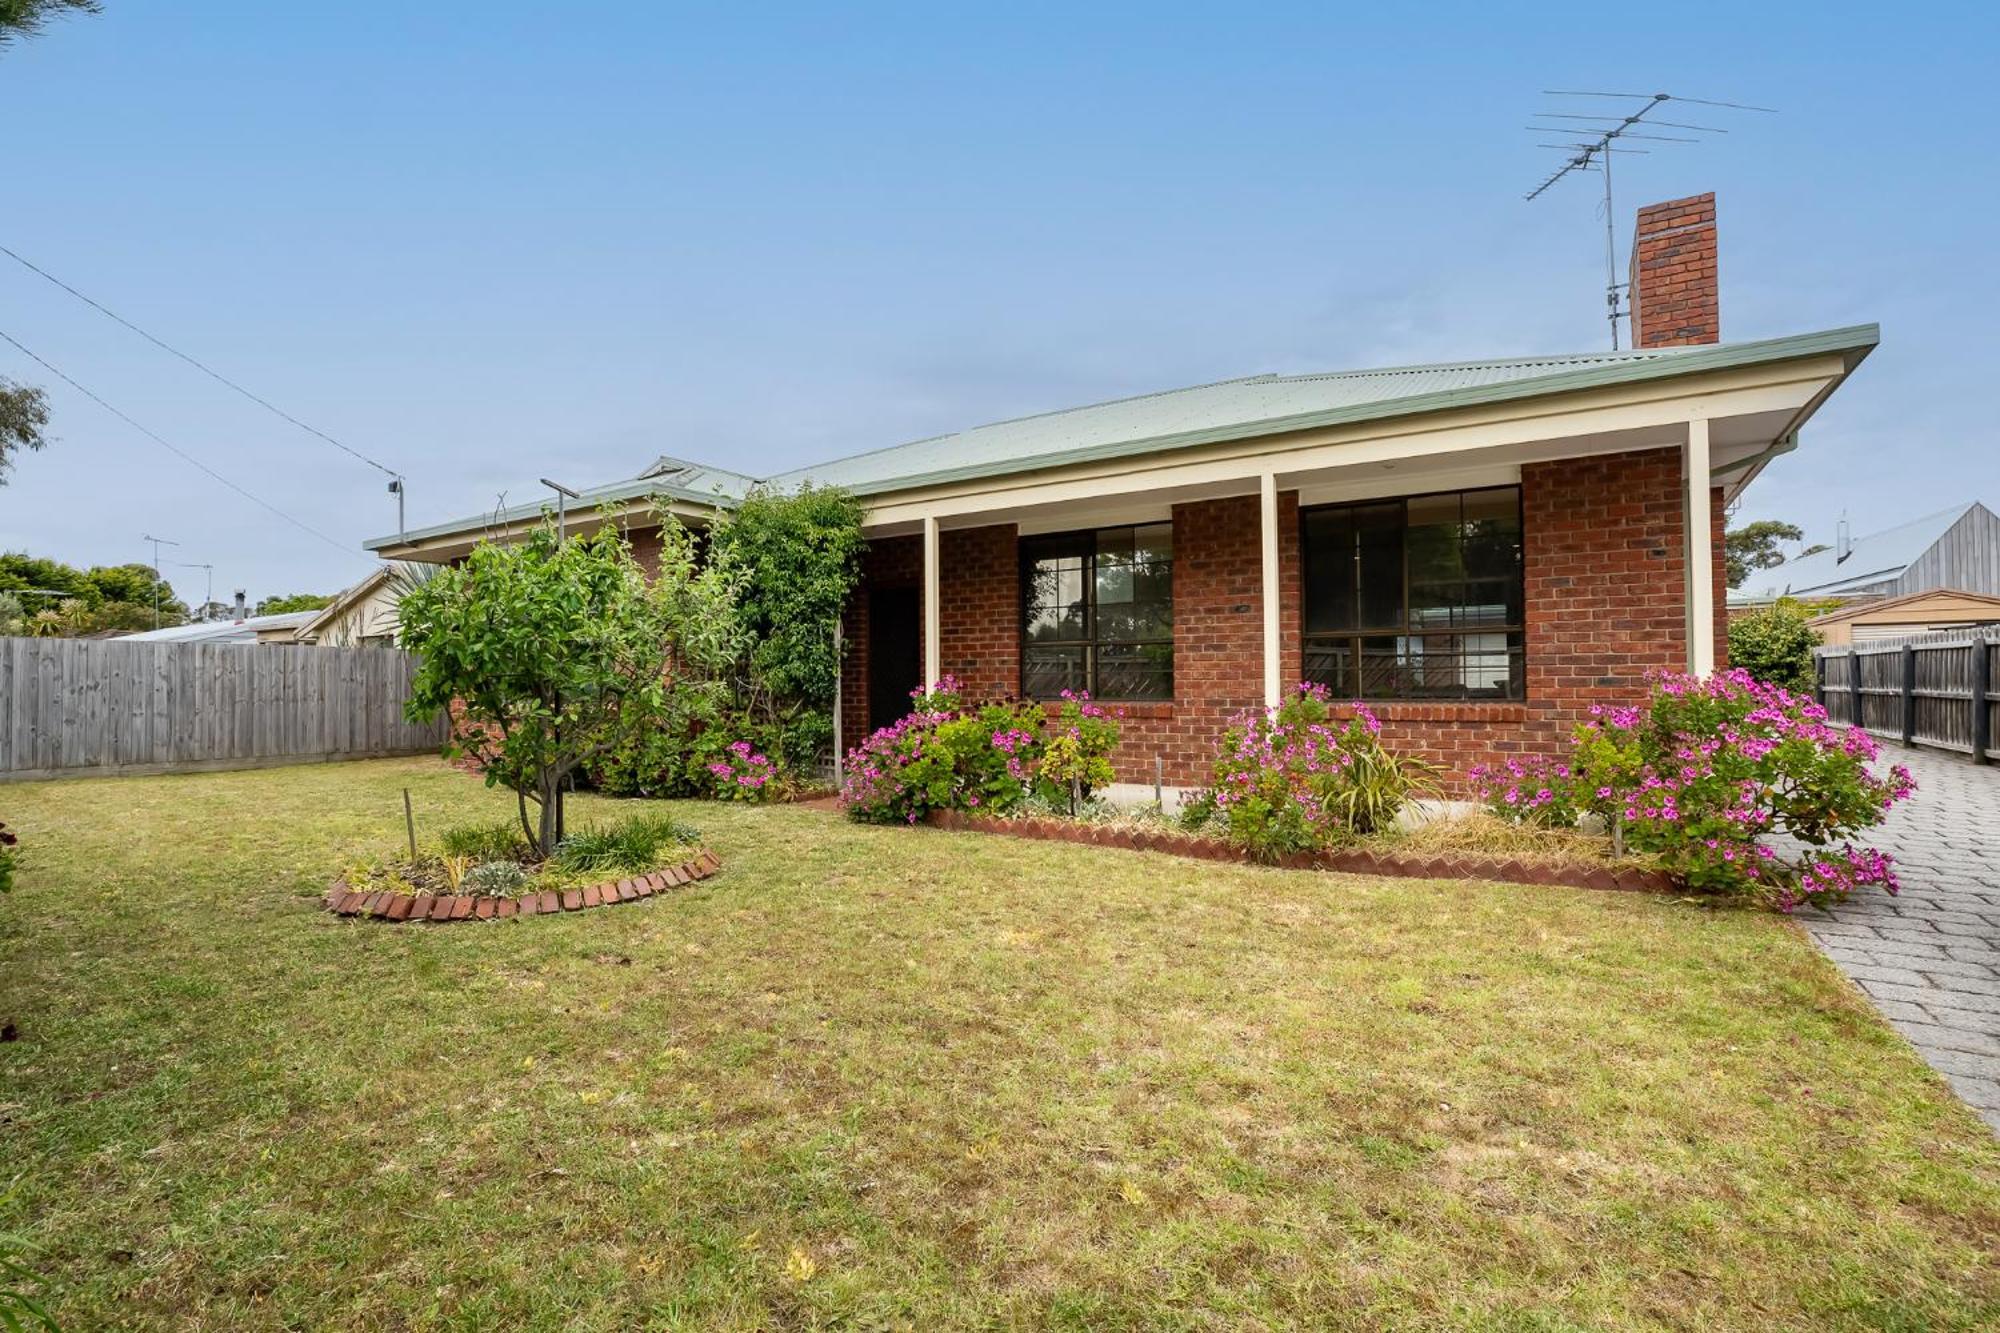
(895, 653)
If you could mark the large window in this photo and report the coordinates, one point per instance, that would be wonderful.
(1418, 598)
(1098, 613)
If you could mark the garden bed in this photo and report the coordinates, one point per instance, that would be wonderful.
(481, 872)
(1361, 860)
(383, 905)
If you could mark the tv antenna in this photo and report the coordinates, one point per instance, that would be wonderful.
(208, 596)
(1595, 149)
(157, 542)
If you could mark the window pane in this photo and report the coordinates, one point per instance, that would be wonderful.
(1135, 671)
(1379, 533)
(1056, 605)
(1098, 613)
(1434, 555)
(1153, 581)
(1328, 535)
(1047, 672)
(1114, 565)
(1490, 602)
(1492, 541)
(1385, 669)
(1437, 578)
(1134, 620)
(1330, 662)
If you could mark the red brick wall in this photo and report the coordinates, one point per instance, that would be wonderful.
(979, 612)
(1605, 573)
(1606, 578)
(645, 544)
(1676, 293)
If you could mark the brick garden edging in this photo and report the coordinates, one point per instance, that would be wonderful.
(398, 907)
(1349, 860)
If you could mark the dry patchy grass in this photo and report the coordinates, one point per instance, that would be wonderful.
(905, 1078)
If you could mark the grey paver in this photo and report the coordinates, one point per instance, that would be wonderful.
(1983, 1093)
(1948, 1038)
(1930, 957)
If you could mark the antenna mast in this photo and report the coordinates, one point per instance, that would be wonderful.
(1594, 153)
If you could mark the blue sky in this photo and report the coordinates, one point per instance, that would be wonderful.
(488, 243)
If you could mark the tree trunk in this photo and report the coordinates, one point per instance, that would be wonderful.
(527, 829)
(551, 818)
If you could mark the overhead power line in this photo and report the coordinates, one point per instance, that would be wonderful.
(203, 367)
(171, 448)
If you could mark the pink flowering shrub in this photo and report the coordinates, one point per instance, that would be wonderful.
(741, 773)
(1706, 771)
(1076, 758)
(1302, 779)
(948, 755)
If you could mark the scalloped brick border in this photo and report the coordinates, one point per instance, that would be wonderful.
(399, 907)
(1349, 860)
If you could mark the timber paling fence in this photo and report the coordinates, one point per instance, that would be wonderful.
(84, 707)
(1933, 690)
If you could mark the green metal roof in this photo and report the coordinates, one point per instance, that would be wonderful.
(1215, 413)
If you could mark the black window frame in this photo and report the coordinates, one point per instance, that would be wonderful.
(1084, 542)
(1405, 630)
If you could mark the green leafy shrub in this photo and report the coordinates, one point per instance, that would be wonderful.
(796, 558)
(1775, 645)
(742, 773)
(1705, 771)
(8, 842)
(947, 756)
(498, 841)
(632, 846)
(1076, 758)
(1302, 780)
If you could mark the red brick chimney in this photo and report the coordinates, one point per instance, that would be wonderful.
(1674, 294)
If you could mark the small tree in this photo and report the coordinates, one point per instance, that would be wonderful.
(24, 419)
(298, 601)
(1755, 546)
(1775, 645)
(544, 645)
(25, 18)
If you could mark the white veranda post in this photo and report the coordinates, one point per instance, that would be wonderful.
(1268, 531)
(931, 656)
(1700, 553)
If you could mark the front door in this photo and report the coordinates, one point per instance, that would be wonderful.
(895, 653)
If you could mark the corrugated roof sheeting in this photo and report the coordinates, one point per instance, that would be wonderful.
(1874, 558)
(1178, 418)
(1235, 403)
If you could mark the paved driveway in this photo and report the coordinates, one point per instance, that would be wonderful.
(1930, 957)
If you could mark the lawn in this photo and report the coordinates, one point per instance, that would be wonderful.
(905, 1078)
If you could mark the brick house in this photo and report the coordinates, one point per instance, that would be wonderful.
(1482, 550)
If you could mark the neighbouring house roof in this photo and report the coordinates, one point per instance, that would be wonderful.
(348, 598)
(1955, 603)
(1873, 560)
(223, 631)
(1232, 409)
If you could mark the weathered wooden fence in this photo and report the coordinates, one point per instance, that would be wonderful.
(1934, 690)
(77, 707)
